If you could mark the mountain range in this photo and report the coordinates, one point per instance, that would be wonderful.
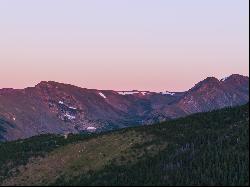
(56, 108)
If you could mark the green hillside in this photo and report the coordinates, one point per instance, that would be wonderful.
(202, 149)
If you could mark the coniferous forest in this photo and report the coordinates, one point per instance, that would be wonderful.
(202, 149)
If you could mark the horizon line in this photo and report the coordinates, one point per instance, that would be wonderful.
(130, 90)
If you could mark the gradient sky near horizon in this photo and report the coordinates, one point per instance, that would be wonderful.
(122, 44)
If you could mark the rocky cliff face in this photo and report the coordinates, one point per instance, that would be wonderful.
(212, 93)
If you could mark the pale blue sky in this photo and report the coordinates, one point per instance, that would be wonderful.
(122, 44)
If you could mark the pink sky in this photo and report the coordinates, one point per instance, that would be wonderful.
(122, 45)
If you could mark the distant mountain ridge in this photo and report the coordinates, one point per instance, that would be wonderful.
(52, 107)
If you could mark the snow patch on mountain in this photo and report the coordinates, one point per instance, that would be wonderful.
(69, 117)
(225, 78)
(128, 93)
(144, 93)
(73, 108)
(168, 93)
(61, 102)
(132, 92)
(70, 107)
(102, 95)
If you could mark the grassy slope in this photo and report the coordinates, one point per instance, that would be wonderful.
(202, 149)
